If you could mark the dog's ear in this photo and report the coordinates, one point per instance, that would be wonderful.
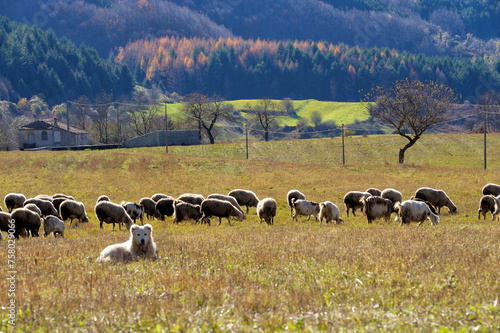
(133, 227)
(148, 226)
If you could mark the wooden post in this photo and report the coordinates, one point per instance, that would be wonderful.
(166, 129)
(246, 138)
(67, 125)
(484, 139)
(343, 148)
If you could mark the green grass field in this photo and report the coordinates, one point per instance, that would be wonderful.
(251, 277)
(340, 112)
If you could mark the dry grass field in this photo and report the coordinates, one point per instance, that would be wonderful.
(251, 277)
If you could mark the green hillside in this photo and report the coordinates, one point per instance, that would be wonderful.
(340, 112)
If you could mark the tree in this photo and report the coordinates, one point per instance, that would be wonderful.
(142, 113)
(81, 109)
(206, 111)
(489, 109)
(266, 115)
(411, 107)
(101, 118)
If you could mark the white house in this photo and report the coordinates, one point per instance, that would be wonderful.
(50, 133)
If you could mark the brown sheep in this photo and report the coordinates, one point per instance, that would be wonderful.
(245, 198)
(374, 191)
(266, 210)
(437, 198)
(392, 194)
(352, 200)
(165, 206)
(112, 213)
(185, 211)
(73, 210)
(492, 189)
(14, 200)
(486, 204)
(45, 206)
(220, 209)
(149, 208)
(194, 199)
(26, 219)
(377, 207)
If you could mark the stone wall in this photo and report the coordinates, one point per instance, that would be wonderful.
(175, 138)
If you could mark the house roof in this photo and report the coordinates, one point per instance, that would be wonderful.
(49, 124)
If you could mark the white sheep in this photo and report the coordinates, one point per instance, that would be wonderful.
(134, 210)
(53, 224)
(392, 194)
(377, 207)
(303, 207)
(266, 210)
(330, 212)
(415, 210)
(294, 194)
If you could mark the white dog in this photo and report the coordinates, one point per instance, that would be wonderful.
(140, 245)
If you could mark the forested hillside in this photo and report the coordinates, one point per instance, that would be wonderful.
(36, 62)
(238, 68)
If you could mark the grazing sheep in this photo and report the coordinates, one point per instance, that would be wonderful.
(53, 224)
(220, 209)
(159, 196)
(45, 206)
(44, 197)
(352, 200)
(185, 211)
(266, 210)
(245, 198)
(437, 198)
(103, 198)
(26, 219)
(33, 208)
(492, 189)
(392, 194)
(165, 206)
(229, 198)
(140, 245)
(374, 192)
(294, 194)
(134, 211)
(486, 204)
(303, 207)
(73, 210)
(497, 207)
(112, 213)
(4, 221)
(330, 212)
(377, 207)
(58, 201)
(14, 200)
(149, 207)
(61, 195)
(194, 199)
(415, 210)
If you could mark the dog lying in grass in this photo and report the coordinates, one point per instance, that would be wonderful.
(139, 245)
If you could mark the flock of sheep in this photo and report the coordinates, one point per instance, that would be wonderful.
(54, 210)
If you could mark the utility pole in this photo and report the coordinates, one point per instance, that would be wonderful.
(343, 148)
(166, 129)
(67, 125)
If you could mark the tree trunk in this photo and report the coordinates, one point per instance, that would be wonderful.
(266, 135)
(402, 156)
(408, 145)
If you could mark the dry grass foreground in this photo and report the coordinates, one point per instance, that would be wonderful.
(250, 277)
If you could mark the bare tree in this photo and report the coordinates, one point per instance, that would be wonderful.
(489, 110)
(81, 109)
(101, 118)
(411, 107)
(266, 115)
(142, 114)
(206, 111)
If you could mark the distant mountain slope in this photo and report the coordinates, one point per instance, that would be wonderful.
(236, 68)
(34, 62)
